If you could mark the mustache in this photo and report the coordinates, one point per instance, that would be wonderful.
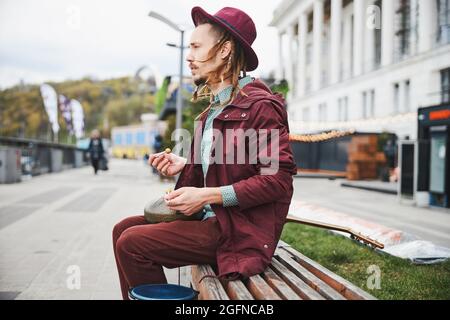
(193, 66)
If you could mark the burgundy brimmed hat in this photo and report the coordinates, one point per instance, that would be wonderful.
(238, 23)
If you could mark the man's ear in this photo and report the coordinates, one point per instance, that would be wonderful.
(226, 50)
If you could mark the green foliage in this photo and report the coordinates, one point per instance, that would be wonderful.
(21, 113)
(125, 111)
(400, 279)
(105, 103)
(167, 138)
(281, 87)
(190, 112)
(161, 95)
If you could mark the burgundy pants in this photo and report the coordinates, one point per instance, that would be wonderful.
(142, 249)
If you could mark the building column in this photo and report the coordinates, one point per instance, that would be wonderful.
(369, 46)
(358, 44)
(336, 31)
(427, 22)
(289, 64)
(302, 34)
(387, 32)
(280, 71)
(317, 45)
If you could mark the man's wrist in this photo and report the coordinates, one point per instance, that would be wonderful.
(213, 196)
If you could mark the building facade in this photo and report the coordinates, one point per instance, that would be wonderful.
(364, 65)
(134, 141)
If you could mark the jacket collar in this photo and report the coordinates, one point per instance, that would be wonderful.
(224, 95)
(254, 91)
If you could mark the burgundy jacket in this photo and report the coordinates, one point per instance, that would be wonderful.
(250, 231)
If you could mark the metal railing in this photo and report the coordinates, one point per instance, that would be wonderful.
(40, 157)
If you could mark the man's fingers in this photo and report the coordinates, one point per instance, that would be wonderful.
(156, 159)
(174, 203)
(165, 168)
(155, 162)
(174, 194)
(154, 156)
(162, 164)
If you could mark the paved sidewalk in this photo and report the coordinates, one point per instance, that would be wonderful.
(56, 221)
(53, 224)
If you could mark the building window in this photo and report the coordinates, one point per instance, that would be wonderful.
(140, 138)
(377, 39)
(372, 103)
(325, 54)
(129, 138)
(403, 22)
(365, 105)
(443, 21)
(342, 56)
(396, 98)
(117, 139)
(323, 112)
(407, 100)
(324, 78)
(310, 21)
(308, 58)
(445, 86)
(343, 109)
(368, 104)
(305, 114)
(308, 85)
(402, 96)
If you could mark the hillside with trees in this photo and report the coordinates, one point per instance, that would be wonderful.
(106, 104)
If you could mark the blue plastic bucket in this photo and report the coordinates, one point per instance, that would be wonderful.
(162, 292)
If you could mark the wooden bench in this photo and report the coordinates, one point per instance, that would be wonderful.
(290, 276)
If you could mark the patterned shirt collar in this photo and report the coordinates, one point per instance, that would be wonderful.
(224, 95)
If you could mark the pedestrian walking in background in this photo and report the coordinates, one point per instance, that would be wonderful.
(96, 150)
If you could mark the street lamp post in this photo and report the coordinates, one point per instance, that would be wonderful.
(179, 105)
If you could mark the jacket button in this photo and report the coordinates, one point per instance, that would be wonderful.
(266, 246)
(226, 116)
(243, 115)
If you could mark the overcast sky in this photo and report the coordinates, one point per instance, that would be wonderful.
(69, 39)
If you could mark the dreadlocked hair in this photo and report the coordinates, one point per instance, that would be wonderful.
(230, 68)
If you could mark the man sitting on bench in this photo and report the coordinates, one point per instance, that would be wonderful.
(245, 202)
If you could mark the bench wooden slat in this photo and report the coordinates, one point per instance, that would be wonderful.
(346, 288)
(298, 285)
(324, 289)
(279, 286)
(291, 276)
(237, 291)
(186, 276)
(260, 289)
(210, 288)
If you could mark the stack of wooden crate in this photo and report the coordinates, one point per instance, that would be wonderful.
(364, 158)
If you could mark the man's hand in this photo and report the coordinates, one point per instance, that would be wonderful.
(190, 200)
(168, 164)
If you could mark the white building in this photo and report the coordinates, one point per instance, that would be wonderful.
(363, 64)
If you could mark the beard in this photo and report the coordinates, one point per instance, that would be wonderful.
(200, 81)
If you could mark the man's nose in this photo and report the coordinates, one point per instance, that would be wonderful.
(189, 57)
